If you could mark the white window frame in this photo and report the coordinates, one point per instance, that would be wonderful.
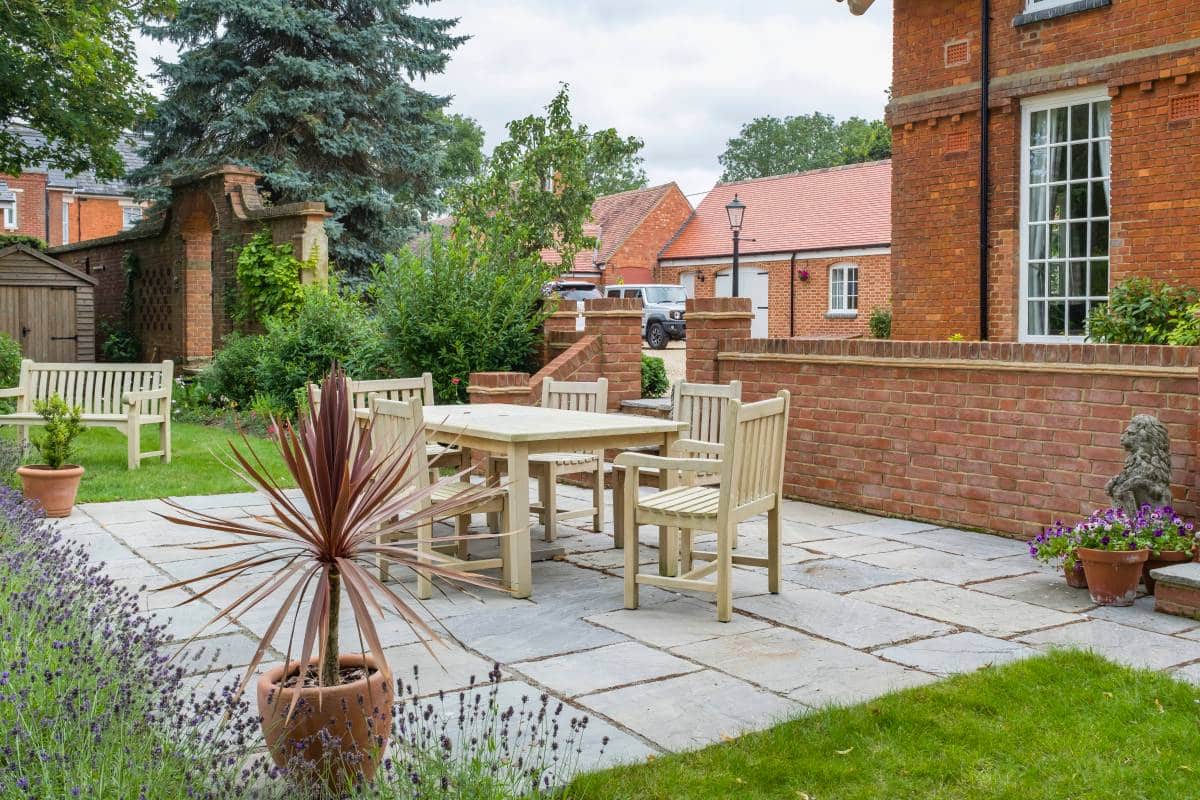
(66, 221)
(1090, 94)
(839, 303)
(126, 209)
(1041, 5)
(8, 210)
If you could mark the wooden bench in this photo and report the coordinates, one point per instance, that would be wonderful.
(121, 396)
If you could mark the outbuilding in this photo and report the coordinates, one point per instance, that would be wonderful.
(47, 306)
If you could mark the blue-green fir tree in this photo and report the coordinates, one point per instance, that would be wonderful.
(316, 94)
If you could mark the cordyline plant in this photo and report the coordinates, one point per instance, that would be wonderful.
(357, 497)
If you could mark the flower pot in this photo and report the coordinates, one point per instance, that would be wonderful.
(1113, 575)
(1162, 559)
(54, 489)
(1076, 577)
(356, 718)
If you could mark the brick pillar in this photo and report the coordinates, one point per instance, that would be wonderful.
(562, 317)
(710, 322)
(498, 387)
(618, 323)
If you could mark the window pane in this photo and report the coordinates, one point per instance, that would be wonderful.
(1057, 279)
(1098, 279)
(1102, 119)
(1099, 199)
(1036, 279)
(1079, 201)
(1077, 279)
(1038, 128)
(1058, 201)
(1056, 323)
(835, 289)
(1079, 161)
(1076, 318)
(1058, 241)
(1100, 239)
(1036, 324)
(1058, 163)
(1058, 125)
(1079, 121)
(1037, 241)
(1037, 204)
(1079, 245)
(1037, 166)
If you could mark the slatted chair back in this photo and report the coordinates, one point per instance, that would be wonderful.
(419, 388)
(395, 423)
(702, 406)
(576, 395)
(97, 388)
(755, 444)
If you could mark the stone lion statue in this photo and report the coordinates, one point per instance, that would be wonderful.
(1146, 478)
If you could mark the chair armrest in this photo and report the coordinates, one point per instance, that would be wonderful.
(639, 460)
(684, 448)
(132, 398)
(15, 391)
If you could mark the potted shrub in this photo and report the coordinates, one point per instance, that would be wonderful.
(55, 483)
(1170, 539)
(324, 710)
(1057, 544)
(1112, 554)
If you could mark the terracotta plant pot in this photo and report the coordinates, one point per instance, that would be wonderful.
(1163, 559)
(54, 489)
(1076, 577)
(1113, 575)
(357, 717)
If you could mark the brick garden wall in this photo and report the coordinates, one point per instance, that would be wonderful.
(30, 190)
(1143, 53)
(997, 436)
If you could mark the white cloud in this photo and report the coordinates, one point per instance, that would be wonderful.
(684, 76)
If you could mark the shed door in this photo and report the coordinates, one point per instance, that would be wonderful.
(42, 319)
(755, 284)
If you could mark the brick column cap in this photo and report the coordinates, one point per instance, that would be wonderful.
(613, 307)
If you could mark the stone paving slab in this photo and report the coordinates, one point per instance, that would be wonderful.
(959, 652)
(995, 616)
(437, 666)
(219, 652)
(967, 543)
(1120, 643)
(921, 562)
(840, 618)
(822, 516)
(855, 545)
(842, 575)
(1142, 615)
(510, 635)
(608, 667)
(693, 710)
(885, 528)
(1041, 589)
(674, 623)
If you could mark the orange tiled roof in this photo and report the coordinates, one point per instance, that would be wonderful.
(824, 209)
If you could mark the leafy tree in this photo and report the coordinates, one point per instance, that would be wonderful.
(461, 155)
(536, 192)
(318, 96)
(615, 164)
(774, 146)
(69, 70)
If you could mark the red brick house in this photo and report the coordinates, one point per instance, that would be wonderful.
(630, 229)
(1044, 150)
(815, 255)
(64, 209)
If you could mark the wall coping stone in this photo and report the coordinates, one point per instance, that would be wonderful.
(1185, 575)
(719, 315)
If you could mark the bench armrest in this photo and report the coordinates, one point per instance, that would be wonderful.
(132, 398)
(15, 391)
(640, 460)
(686, 448)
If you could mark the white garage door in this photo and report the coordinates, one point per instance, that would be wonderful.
(755, 284)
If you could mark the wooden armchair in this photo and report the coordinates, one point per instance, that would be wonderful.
(750, 482)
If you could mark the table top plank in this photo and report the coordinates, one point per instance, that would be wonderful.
(518, 424)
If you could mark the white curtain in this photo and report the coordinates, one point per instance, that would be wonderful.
(1104, 118)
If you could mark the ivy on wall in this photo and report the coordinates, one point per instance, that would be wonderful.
(121, 343)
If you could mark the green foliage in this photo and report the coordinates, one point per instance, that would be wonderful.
(614, 163)
(121, 343)
(268, 277)
(1140, 311)
(10, 368)
(9, 239)
(461, 154)
(1187, 328)
(322, 97)
(453, 310)
(880, 322)
(56, 441)
(1043, 728)
(69, 70)
(654, 377)
(536, 192)
(232, 375)
(773, 146)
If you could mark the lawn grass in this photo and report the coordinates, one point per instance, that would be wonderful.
(1066, 725)
(194, 467)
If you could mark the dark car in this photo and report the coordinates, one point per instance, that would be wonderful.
(572, 290)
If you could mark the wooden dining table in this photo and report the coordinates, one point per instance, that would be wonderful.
(515, 432)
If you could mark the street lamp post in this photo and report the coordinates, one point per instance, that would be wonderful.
(736, 209)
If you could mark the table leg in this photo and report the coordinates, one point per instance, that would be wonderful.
(668, 538)
(518, 565)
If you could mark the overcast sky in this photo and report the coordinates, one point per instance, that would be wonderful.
(681, 74)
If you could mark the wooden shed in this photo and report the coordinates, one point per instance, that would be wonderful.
(48, 307)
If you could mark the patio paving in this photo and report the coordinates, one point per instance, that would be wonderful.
(868, 605)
